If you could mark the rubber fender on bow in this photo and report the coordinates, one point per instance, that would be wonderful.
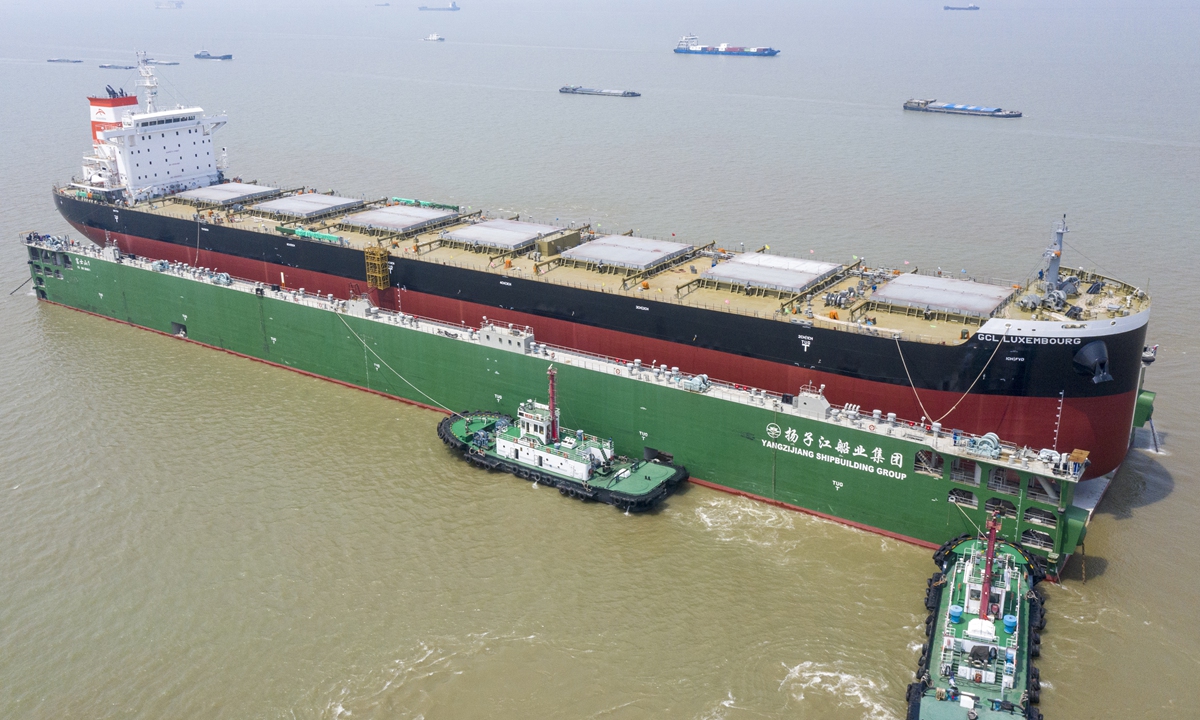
(939, 557)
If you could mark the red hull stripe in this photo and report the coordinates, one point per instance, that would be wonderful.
(1098, 424)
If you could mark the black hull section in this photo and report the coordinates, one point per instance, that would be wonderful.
(1025, 367)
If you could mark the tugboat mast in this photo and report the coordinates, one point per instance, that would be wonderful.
(993, 524)
(553, 409)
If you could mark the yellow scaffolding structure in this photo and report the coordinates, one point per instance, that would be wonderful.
(377, 268)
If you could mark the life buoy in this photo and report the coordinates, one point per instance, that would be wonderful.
(871, 428)
(618, 371)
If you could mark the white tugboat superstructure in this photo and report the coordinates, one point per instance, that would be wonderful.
(149, 152)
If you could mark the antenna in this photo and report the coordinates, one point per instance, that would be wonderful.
(147, 80)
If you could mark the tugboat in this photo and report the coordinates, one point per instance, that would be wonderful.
(978, 661)
(534, 447)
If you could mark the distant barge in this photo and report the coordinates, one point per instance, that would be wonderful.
(962, 7)
(952, 109)
(578, 90)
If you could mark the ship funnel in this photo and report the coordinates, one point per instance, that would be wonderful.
(106, 112)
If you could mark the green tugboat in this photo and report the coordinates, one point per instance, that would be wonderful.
(978, 662)
(534, 447)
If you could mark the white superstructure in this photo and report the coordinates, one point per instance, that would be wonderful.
(149, 152)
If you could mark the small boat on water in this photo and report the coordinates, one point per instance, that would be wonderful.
(579, 90)
(984, 627)
(63, 60)
(206, 55)
(534, 447)
(690, 45)
(434, 38)
(934, 106)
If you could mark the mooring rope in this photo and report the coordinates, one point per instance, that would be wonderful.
(964, 395)
(968, 517)
(389, 367)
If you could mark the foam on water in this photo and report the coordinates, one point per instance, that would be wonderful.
(849, 689)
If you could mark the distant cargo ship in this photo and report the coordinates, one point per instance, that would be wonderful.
(690, 45)
(435, 38)
(160, 62)
(110, 66)
(452, 7)
(206, 55)
(63, 60)
(577, 90)
(951, 109)
(960, 7)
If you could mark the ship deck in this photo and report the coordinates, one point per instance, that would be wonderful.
(865, 308)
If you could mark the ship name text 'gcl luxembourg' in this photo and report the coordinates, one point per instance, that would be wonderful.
(1029, 340)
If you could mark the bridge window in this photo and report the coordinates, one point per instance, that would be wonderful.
(964, 471)
(929, 463)
(963, 497)
(1004, 507)
(1004, 480)
(1041, 517)
(1037, 538)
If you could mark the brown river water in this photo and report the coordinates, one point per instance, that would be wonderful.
(190, 534)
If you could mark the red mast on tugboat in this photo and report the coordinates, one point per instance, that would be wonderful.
(993, 524)
(550, 373)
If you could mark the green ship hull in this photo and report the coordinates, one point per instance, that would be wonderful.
(735, 440)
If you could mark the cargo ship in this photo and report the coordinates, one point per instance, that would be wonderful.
(961, 7)
(579, 90)
(690, 45)
(984, 626)
(206, 55)
(1049, 360)
(934, 106)
(452, 7)
(918, 482)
